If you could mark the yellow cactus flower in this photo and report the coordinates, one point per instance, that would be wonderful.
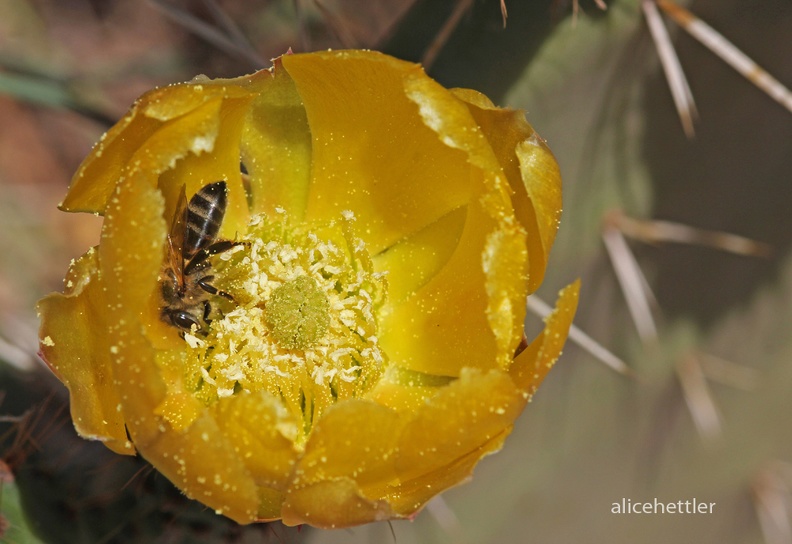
(343, 349)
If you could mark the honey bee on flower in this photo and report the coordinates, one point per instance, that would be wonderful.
(186, 277)
(351, 353)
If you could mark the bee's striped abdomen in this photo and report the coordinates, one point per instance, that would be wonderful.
(204, 215)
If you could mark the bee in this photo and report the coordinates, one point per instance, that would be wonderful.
(186, 278)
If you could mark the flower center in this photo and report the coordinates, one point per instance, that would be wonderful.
(302, 325)
(297, 313)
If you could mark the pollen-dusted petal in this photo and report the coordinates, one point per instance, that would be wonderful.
(130, 254)
(505, 264)
(466, 315)
(532, 173)
(406, 390)
(332, 504)
(542, 181)
(202, 462)
(257, 426)
(359, 112)
(461, 418)
(207, 156)
(458, 318)
(270, 504)
(131, 248)
(198, 459)
(162, 127)
(532, 365)
(82, 358)
(174, 101)
(179, 408)
(418, 257)
(276, 148)
(408, 497)
(355, 441)
(432, 463)
(96, 177)
(443, 326)
(160, 145)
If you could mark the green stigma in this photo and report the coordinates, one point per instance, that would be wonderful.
(297, 314)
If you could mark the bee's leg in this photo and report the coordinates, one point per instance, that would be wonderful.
(205, 253)
(207, 312)
(205, 284)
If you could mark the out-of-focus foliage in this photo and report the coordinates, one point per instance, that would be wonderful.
(13, 526)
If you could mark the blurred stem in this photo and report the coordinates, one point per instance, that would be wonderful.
(50, 92)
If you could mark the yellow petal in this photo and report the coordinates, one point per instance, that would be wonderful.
(180, 408)
(207, 153)
(331, 504)
(201, 461)
(161, 128)
(532, 365)
(270, 504)
(130, 256)
(542, 182)
(406, 390)
(460, 419)
(131, 251)
(75, 345)
(350, 458)
(416, 258)
(253, 423)
(443, 326)
(94, 181)
(532, 173)
(276, 147)
(359, 112)
(409, 497)
(471, 311)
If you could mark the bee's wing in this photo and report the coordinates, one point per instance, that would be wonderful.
(176, 235)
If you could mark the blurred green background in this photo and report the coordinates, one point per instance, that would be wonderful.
(592, 85)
